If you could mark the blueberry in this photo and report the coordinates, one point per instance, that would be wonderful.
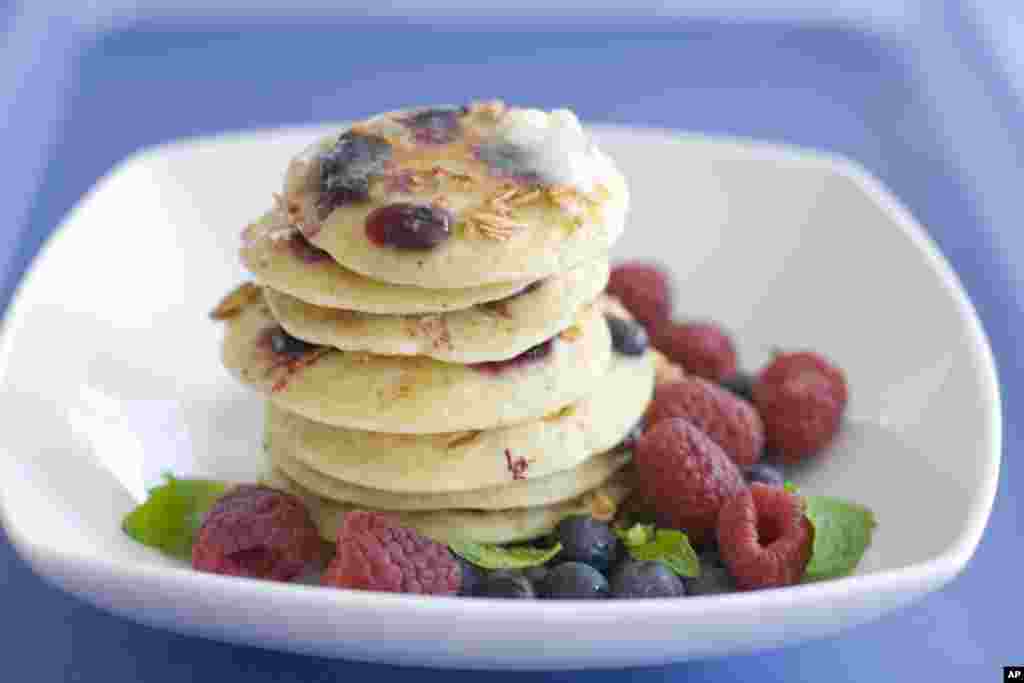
(628, 338)
(345, 169)
(506, 583)
(714, 577)
(741, 384)
(282, 342)
(471, 579)
(574, 581)
(585, 539)
(408, 226)
(764, 473)
(646, 579)
(545, 541)
(536, 575)
(710, 556)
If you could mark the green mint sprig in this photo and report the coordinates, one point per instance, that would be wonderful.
(842, 532)
(499, 557)
(669, 546)
(172, 514)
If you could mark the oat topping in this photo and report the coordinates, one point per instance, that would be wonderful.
(567, 411)
(493, 109)
(571, 333)
(493, 219)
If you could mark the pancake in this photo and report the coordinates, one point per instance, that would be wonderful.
(414, 395)
(493, 331)
(528, 492)
(480, 526)
(465, 461)
(280, 257)
(526, 194)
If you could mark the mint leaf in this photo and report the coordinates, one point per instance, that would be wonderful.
(791, 487)
(842, 532)
(498, 557)
(638, 534)
(668, 546)
(172, 514)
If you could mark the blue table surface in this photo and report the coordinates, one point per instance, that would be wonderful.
(951, 155)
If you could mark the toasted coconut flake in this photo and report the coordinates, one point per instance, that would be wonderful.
(523, 197)
(240, 297)
(566, 198)
(494, 109)
(442, 172)
(361, 128)
(570, 334)
(567, 411)
(493, 226)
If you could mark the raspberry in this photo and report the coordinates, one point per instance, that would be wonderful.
(764, 538)
(730, 421)
(256, 532)
(644, 289)
(375, 553)
(801, 398)
(702, 348)
(685, 476)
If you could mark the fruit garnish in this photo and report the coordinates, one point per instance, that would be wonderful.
(766, 473)
(498, 557)
(646, 579)
(842, 532)
(375, 552)
(728, 420)
(644, 289)
(704, 348)
(801, 398)
(628, 337)
(257, 532)
(172, 514)
(669, 546)
(764, 538)
(685, 476)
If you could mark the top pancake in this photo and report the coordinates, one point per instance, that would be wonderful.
(528, 194)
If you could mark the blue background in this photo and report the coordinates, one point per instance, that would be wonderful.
(926, 107)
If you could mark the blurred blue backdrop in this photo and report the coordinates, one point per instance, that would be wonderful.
(923, 94)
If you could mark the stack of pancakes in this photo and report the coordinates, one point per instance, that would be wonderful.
(466, 382)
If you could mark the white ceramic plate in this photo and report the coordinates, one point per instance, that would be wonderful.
(111, 376)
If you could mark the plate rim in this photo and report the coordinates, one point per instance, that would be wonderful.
(932, 573)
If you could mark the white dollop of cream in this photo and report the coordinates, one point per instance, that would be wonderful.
(559, 149)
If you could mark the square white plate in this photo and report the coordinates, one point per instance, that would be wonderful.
(111, 375)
